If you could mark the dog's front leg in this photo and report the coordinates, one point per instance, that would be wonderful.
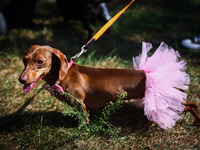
(78, 99)
(85, 110)
(74, 99)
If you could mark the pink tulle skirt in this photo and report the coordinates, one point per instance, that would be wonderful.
(165, 76)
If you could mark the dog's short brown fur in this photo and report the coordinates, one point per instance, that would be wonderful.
(94, 87)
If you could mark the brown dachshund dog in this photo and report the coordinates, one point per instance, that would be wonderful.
(94, 87)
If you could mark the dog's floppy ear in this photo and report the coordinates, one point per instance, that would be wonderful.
(63, 63)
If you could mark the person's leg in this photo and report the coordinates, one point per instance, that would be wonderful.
(3, 25)
(19, 13)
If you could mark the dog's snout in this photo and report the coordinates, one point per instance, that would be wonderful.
(22, 79)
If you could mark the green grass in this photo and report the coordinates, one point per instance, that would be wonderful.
(35, 120)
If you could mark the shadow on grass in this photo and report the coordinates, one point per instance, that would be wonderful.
(16, 122)
(20, 119)
(128, 118)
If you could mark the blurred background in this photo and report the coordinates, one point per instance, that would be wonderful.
(63, 25)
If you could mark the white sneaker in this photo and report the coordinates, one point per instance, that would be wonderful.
(192, 44)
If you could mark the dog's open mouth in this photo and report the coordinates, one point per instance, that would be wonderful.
(29, 87)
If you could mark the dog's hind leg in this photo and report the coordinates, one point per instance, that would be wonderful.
(193, 109)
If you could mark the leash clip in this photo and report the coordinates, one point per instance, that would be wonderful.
(83, 50)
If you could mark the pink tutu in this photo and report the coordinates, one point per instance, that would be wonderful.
(165, 76)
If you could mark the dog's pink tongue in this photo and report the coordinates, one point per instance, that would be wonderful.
(29, 87)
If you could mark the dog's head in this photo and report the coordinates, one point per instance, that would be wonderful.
(43, 62)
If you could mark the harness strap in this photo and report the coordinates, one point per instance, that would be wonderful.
(53, 88)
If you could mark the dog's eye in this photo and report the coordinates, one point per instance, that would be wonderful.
(40, 62)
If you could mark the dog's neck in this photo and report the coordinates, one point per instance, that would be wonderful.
(51, 78)
(55, 82)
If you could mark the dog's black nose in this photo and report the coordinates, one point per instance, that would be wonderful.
(22, 79)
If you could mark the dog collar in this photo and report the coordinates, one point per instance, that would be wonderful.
(70, 63)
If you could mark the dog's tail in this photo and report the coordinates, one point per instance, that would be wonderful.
(165, 80)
